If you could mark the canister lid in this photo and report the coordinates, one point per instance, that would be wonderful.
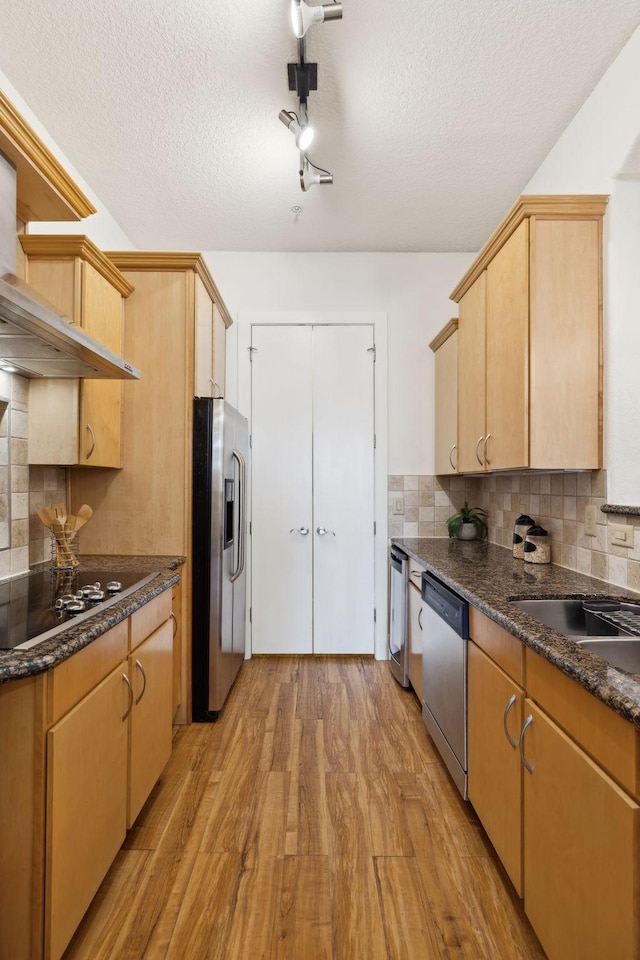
(536, 531)
(524, 520)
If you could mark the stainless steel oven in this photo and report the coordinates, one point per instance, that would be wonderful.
(398, 586)
(445, 632)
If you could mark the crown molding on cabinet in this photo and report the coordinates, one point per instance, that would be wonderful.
(68, 247)
(543, 207)
(45, 189)
(444, 334)
(162, 260)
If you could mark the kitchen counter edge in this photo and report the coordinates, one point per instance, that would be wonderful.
(16, 664)
(488, 576)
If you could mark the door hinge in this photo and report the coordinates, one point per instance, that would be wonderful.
(250, 441)
(375, 441)
(249, 527)
(252, 350)
(375, 615)
(373, 351)
(375, 528)
(250, 615)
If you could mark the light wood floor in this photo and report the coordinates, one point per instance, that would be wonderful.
(314, 820)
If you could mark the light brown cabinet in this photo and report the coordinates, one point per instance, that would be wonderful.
(445, 348)
(554, 776)
(82, 747)
(530, 340)
(170, 331)
(71, 421)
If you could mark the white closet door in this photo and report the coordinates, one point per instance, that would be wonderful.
(281, 463)
(343, 468)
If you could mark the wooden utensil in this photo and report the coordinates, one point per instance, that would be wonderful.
(46, 516)
(84, 513)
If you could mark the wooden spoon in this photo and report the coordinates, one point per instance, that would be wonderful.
(84, 513)
(47, 516)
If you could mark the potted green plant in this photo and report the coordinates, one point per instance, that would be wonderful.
(469, 523)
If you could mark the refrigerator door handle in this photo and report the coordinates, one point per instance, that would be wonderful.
(241, 512)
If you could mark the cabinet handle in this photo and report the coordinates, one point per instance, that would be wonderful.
(528, 766)
(93, 441)
(131, 696)
(420, 618)
(486, 441)
(478, 457)
(512, 743)
(175, 624)
(216, 391)
(453, 466)
(144, 682)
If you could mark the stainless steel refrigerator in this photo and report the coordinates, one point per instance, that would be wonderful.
(220, 451)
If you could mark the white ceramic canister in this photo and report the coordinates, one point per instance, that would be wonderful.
(537, 546)
(520, 528)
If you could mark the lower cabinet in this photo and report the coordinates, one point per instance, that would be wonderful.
(151, 676)
(86, 805)
(494, 710)
(581, 850)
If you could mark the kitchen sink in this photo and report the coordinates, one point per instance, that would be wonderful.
(621, 652)
(564, 615)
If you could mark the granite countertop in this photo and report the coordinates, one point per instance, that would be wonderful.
(488, 577)
(23, 663)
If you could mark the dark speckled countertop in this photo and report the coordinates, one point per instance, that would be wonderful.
(45, 655)
(488, 577)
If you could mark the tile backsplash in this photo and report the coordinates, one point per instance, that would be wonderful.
(419, 506)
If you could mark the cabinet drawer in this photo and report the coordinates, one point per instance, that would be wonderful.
(148, 618)
(503, 648)
(415, 574)
(73, 679)
(604, 734)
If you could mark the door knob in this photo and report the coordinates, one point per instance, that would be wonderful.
(322, 532)
(303, 531)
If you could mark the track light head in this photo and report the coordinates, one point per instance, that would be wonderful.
(302, 133)
(303, 15)
(310, 174)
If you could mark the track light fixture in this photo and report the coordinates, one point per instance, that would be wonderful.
(310, 174)
(302, 132)
(303, 15)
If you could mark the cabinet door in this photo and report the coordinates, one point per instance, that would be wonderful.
(176, 618)
(100, 400)
(507, 375)
(204, 341)
(446, 371)
(86, 805)
(415, 639)
(219, 352)
(581, 850)
(495, 771)
(471, 378)
(151, 674)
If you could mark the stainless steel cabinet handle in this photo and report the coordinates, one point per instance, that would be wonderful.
(216, 391)
(528, 766)
(322, 532)
(453, 466)
(175, 623)
(478, 457)
(420, 618)
(93, 441)
(486, 441)
(303, 531)
(131, 696)
(144, 682)
(512, 743)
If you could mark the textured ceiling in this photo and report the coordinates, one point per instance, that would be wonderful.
(431, 115)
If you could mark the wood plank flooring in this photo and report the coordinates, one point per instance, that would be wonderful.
(313, 821)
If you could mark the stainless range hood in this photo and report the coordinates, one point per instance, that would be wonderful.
(34, 339)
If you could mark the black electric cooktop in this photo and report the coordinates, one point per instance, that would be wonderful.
(41, 604)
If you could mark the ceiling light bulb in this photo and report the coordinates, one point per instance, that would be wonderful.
(303, 134)
(303, 15)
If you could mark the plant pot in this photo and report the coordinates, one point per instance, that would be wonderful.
(468, 530)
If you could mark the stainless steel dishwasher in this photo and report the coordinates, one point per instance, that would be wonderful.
(398, 587)
(445, 632)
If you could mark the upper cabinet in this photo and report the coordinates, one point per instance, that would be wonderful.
(445, 347)
(45, 189)
(77, 422)
(530, 340)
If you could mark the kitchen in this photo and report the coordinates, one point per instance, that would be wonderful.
(403, 283)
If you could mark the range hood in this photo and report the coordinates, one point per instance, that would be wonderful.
(34, 338)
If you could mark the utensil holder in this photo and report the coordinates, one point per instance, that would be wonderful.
(64, 548)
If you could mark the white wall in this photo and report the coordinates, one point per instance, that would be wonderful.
(99, 227)
(412, 289)
(587, 159)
